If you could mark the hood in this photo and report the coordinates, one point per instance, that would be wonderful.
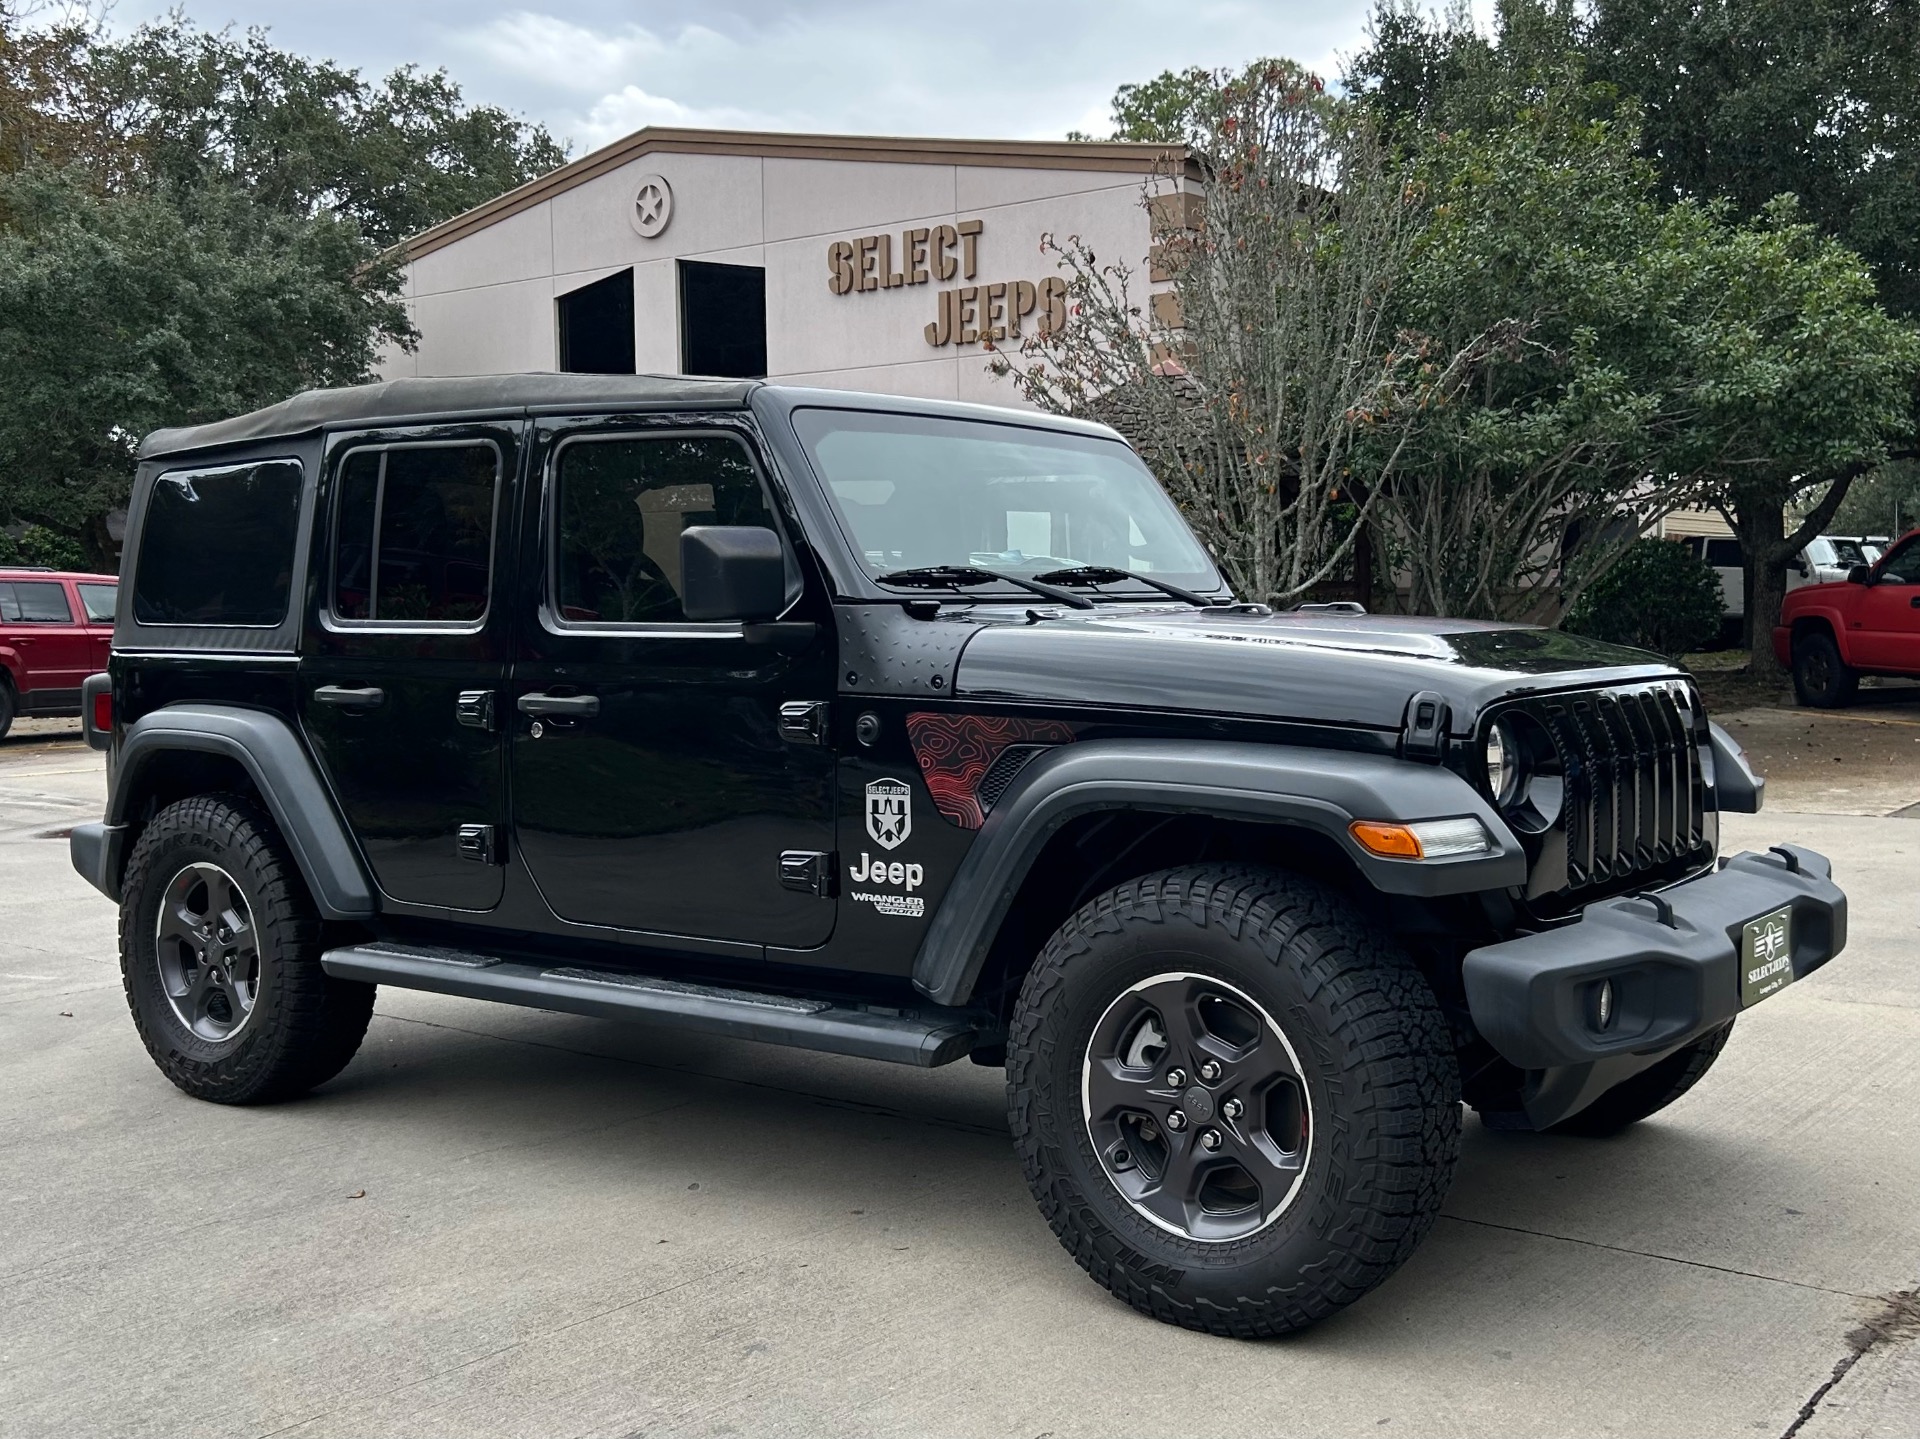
(1313, 667)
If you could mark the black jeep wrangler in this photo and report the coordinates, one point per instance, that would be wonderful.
(918, 732)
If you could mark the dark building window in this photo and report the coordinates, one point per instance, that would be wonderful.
(723, 320)
(596, 327)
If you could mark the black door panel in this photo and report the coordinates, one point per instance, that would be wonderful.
(404, 649)
(653, 787)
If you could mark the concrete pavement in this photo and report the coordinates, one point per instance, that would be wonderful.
(499, 1222)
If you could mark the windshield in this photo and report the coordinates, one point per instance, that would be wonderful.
(913, 492)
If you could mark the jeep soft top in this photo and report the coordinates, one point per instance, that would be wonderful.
(914, 731)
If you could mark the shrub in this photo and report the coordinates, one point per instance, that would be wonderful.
(1658, 597)
(37, 545)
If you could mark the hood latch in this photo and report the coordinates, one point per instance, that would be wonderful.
(1424, 732)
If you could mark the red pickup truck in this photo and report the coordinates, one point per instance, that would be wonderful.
(1867, 625)
(56, 628)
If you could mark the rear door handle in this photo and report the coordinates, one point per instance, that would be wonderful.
(346, 698)
(565, 706)
(1914, 603)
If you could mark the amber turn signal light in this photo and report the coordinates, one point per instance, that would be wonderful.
(1391, 841)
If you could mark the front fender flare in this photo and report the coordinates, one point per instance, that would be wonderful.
(1316, 789)
(271, 753)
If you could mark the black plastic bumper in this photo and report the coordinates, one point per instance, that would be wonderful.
(1673, 958)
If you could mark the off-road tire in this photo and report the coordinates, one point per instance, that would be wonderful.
(1375, 1053)
(1649, 1091)
(1821, 679)
(304, 1026)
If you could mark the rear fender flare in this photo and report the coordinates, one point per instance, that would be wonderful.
(266, 746)
(1316, 789)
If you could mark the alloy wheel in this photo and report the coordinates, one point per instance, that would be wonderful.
(1197, 1107)
(209, 953)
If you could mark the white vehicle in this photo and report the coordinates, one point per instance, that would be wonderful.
(1825, 560)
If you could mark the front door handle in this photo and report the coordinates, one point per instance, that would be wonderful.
(347, 698)
(564, 706)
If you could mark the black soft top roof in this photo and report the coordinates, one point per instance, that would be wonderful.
(399, 401)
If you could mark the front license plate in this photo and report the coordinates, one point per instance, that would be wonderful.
(1766, 956)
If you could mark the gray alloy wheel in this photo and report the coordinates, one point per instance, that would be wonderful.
(209, 956)
(1196, 1105)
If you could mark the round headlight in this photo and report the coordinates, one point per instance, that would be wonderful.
(1503, 764)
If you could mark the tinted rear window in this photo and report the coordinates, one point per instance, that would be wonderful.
(217, 546)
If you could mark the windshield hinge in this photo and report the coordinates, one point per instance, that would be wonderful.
(1424, 733)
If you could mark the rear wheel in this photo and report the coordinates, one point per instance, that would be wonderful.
(1234, 1100)
(1821, 679)
(1649, 1091)
(220, 954)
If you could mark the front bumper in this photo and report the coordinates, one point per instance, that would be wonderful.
(1673, 957)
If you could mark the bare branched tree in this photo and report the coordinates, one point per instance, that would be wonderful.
(1252, 386)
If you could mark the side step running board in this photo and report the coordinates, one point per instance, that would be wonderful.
(924, 1037)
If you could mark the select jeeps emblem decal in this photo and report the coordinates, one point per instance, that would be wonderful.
(889, 813)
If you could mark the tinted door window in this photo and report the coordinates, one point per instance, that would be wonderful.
(35, 602)
(622, 505)
(216, 547)
(414, 535)
(99, 601)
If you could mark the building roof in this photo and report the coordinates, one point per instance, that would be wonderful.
(399, 401)
(1124, 157)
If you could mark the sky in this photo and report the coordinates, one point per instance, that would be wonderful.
(593, 70)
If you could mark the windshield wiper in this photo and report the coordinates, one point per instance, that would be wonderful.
(1107, 575)
(954, 577)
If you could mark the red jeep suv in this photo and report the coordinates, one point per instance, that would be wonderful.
(1868, 625)
(55, 629)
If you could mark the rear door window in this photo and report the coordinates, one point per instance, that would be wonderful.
(35, 602)
(216, 546)
(413, 534)
(99, 602)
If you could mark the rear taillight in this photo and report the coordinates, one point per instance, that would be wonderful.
(103, 711)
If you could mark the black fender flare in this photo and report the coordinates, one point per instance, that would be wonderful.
(1317, 789)
(266, 746)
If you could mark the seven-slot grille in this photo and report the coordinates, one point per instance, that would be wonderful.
(1635, 797)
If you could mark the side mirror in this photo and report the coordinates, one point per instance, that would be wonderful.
(1859, 575)
(732, 572)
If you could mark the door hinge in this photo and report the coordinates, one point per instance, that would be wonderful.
(478, 843)
(474, 708)
(807, 871)
(804, 721)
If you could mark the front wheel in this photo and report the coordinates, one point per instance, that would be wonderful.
(1821, 679)
(1235, 1101)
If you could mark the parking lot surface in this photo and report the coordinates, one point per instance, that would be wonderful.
(501, 1222)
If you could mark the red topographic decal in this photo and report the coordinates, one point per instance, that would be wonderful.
(956, 751)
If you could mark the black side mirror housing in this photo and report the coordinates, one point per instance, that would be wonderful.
(732, 572)
(1859, 575)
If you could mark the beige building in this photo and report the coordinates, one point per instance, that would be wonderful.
(839, 261)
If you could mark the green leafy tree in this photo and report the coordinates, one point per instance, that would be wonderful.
(37, 545)
(1749, 99)
(195, 223)
(1778, 378)
(120, 315)
(1658, 597)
